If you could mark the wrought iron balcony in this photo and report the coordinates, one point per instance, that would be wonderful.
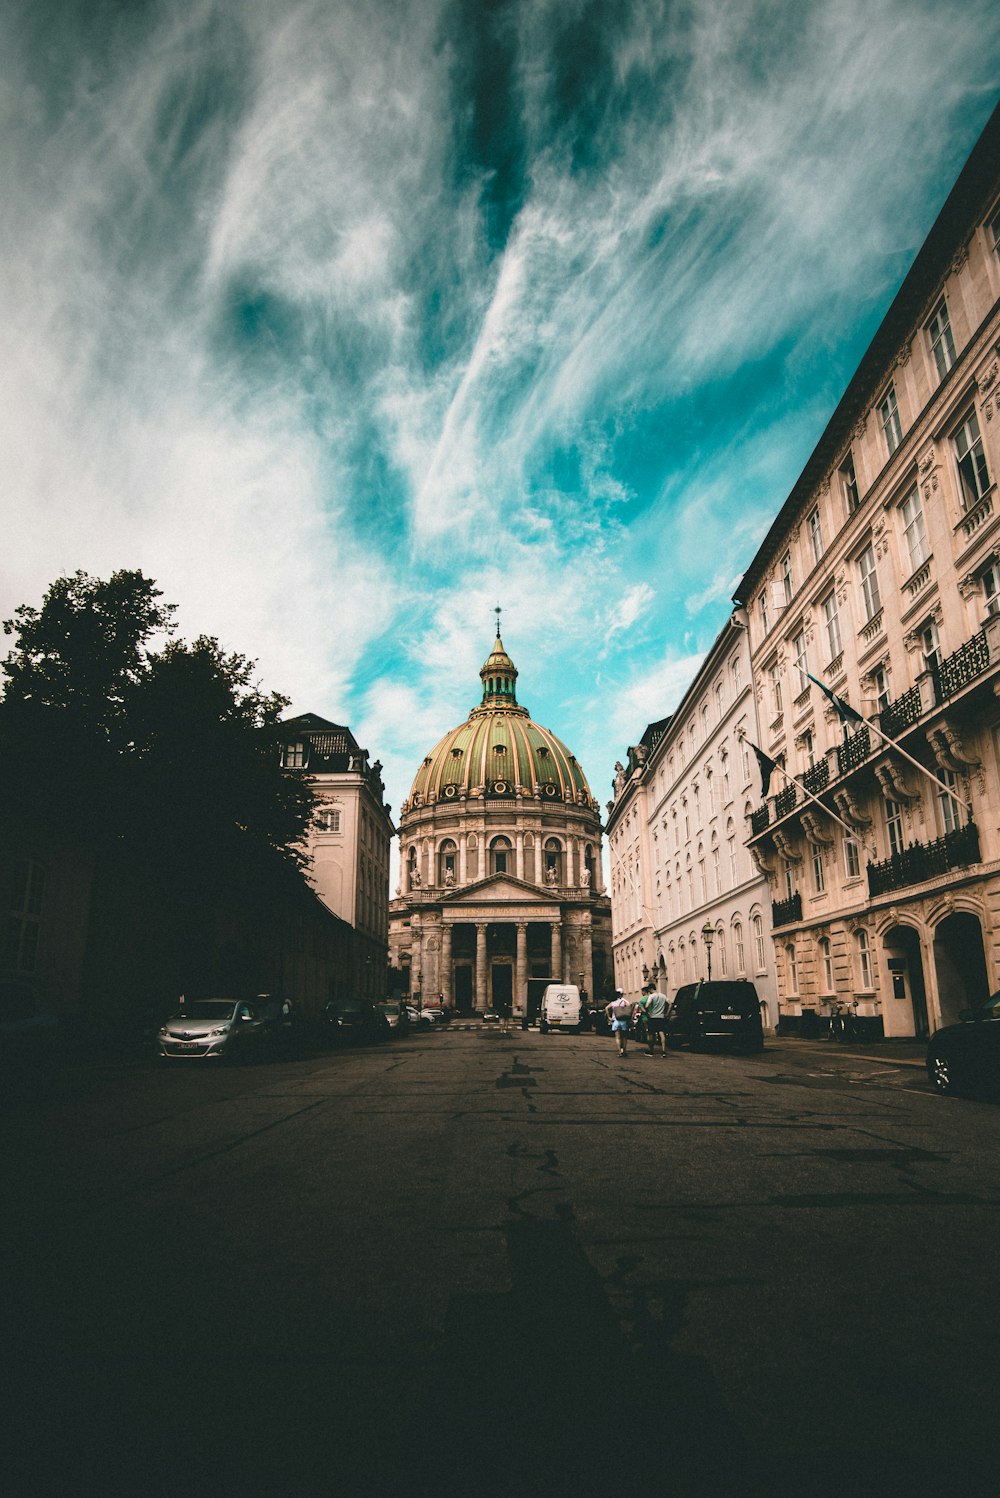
(854, 751)
(902, 713)
(785, 911)
(784, 800)
(759, 819)
(922, 861)
(817, 777)
(962, 666)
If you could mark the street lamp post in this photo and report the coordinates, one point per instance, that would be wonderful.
(707, 936)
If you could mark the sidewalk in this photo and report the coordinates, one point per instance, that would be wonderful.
(904, 1051)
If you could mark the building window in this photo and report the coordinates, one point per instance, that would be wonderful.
(786, 576)
(738, 953)
(819, 884)
(719, 707)
(880, 681)
(25, 916)
(500, 856)
(973, 474)
(720, 946)
(328, 819)
(942, 343)
(758, 942)
(294, 757)
(735, 668)
(793, 968)
(930, 644)
(991, 588)
(894, 826)
(716, 870)
(799, 648)
(808, 746)
(949, 806)
(763, 610)
(869, 583)
(831, 618)
(776, 687)
(826, 964)
(816, 535)
(731, 841)
(849, 484)
(864, 955)
(914, 530)
(888, 415)
(852, 857)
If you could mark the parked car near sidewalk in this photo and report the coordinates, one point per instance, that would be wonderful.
(965, 1057)
(212, 1029)
(353, 1022)
(718, 1011)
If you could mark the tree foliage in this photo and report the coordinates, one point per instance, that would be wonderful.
(142, 741)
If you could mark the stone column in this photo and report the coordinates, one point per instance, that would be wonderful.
(570, 861)
(416, 955)
(557, 961)
(481, 966)
(519, 854)
(444, 977)
(521, 970)
(587, 955)
(538, 857)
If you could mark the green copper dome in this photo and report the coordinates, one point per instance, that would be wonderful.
(499, 750)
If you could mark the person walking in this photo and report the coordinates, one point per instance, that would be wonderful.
(654, 1006)
(620, 1012)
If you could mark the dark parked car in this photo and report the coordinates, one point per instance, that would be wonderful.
(281, 1029)
(718, 1011)
(966, 1057)
(353, 1022)
(212, 1028)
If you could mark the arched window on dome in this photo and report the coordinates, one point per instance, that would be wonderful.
(501, 857)
(448, 863)
(553, 861)
(588, 863)
(411, 868)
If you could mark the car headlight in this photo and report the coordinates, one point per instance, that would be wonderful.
(222, 1030)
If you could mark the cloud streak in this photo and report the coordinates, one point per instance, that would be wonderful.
(343, 322)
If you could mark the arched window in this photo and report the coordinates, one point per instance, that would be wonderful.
(864, 957)
(448, 862)
(553, 859)
(825, 965)
(738, 954)
(720, 950)
(731, 843)
(757, 926)
(500, 855)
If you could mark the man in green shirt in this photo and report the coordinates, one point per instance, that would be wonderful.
(654, 1007)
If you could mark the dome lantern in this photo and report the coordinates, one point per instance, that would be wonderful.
(499, 677)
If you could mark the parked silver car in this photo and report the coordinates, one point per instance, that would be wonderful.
(212, 1027)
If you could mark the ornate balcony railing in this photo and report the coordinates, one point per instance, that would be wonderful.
(784, 911)
(922, 861)
(977, 516)
(784, 800)
(759, 819)
(854, 751)
(962, 666)
(902, 713)
(817, 777)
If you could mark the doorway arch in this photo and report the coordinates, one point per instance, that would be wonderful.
(960, 964)
(905, 965)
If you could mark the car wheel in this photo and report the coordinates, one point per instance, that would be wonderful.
(942, 1074)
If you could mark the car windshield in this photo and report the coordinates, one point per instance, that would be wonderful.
(206, 1009)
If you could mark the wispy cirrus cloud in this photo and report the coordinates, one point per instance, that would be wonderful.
(345, 322)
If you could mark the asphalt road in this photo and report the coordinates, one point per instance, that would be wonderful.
(465, 1262)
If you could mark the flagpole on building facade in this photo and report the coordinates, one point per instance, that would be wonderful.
(850, 714)
(852, 832)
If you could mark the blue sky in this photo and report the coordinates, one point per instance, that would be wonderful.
(347, 321)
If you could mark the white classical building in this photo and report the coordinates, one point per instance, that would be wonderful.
(880, 577)
(684, 889)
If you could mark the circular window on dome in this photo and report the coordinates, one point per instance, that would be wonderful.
(450, 792)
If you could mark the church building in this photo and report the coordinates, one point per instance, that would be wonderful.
(501, 884)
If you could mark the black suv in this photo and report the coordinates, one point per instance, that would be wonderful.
(717, 1010)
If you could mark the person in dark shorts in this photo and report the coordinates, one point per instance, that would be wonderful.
(620, 1012)
(654, 1007)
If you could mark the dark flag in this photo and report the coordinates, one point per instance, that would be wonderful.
(767, 766)
(845, 711)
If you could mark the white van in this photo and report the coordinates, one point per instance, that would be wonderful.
(560, 1008)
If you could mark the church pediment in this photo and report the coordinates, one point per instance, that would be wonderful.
(500, 888)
